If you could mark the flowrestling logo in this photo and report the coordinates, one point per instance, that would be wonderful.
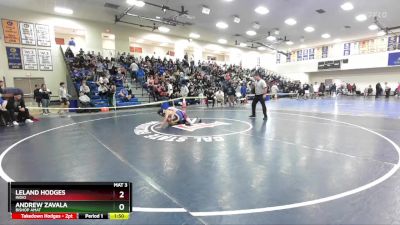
(210, 130)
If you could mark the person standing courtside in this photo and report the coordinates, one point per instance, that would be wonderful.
(260, 92)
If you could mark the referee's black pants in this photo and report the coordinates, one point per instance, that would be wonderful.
(259, 98)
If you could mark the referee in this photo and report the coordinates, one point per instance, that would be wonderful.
(260, 92)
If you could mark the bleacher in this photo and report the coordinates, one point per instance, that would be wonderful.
(96, 100)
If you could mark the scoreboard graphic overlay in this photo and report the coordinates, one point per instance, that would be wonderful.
(69, 201)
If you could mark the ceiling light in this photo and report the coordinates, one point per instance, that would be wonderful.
(236, 19)
(373, 27)
(271, 38)
(136, 3)
(337, 40)
(289, 43)
(290, 21)
(63, 10)
(222, 25)
(381, 33)
(277, 32)
(347, 6)
(206, 10)
(309, 29)
(139, 40)
(229, 0)
(222, 41)
(326, 36)
(361, 17)
(262, 10)
(261, 48)
(251, 33)
(164, 29)
(243, 44)
(163, 44)
(194, 35)
(157, 17)
(303, 46)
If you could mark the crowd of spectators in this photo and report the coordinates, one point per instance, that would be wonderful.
(169, 79)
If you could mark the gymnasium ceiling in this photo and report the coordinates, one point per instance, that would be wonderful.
(333, 21)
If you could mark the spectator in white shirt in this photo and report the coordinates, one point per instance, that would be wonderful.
(220, 97)
(134, 68)
(170, 88)
(274, 91)
(84, 88)
(184, 91)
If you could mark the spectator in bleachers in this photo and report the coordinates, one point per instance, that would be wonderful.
(85, 100)
(170, 88)
(69, 53)
(220, 96)
(45, 98)
(112, 89)
(184, 91)
(210, 96)
(102, 90)
(84, 88)
(134, 69)
(124, 95)
(18, 111)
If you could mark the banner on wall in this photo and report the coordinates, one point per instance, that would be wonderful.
(300, 55)
(392, 43)
(325, 50)
(394, 59)
(364, 47)
(293, 57)
(278, 58)
(330, 65)
(30, 59)
(43, 35)
(10, 31)
(288, 57)
(136, 49)
(347, 49)
(305, 54)
(45, 60)
(311, 53)
(14, 58)
(172, 53)
(28, 36)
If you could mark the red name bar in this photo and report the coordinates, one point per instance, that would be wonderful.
(44, 216)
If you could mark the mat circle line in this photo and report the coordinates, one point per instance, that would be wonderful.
(367, 186)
